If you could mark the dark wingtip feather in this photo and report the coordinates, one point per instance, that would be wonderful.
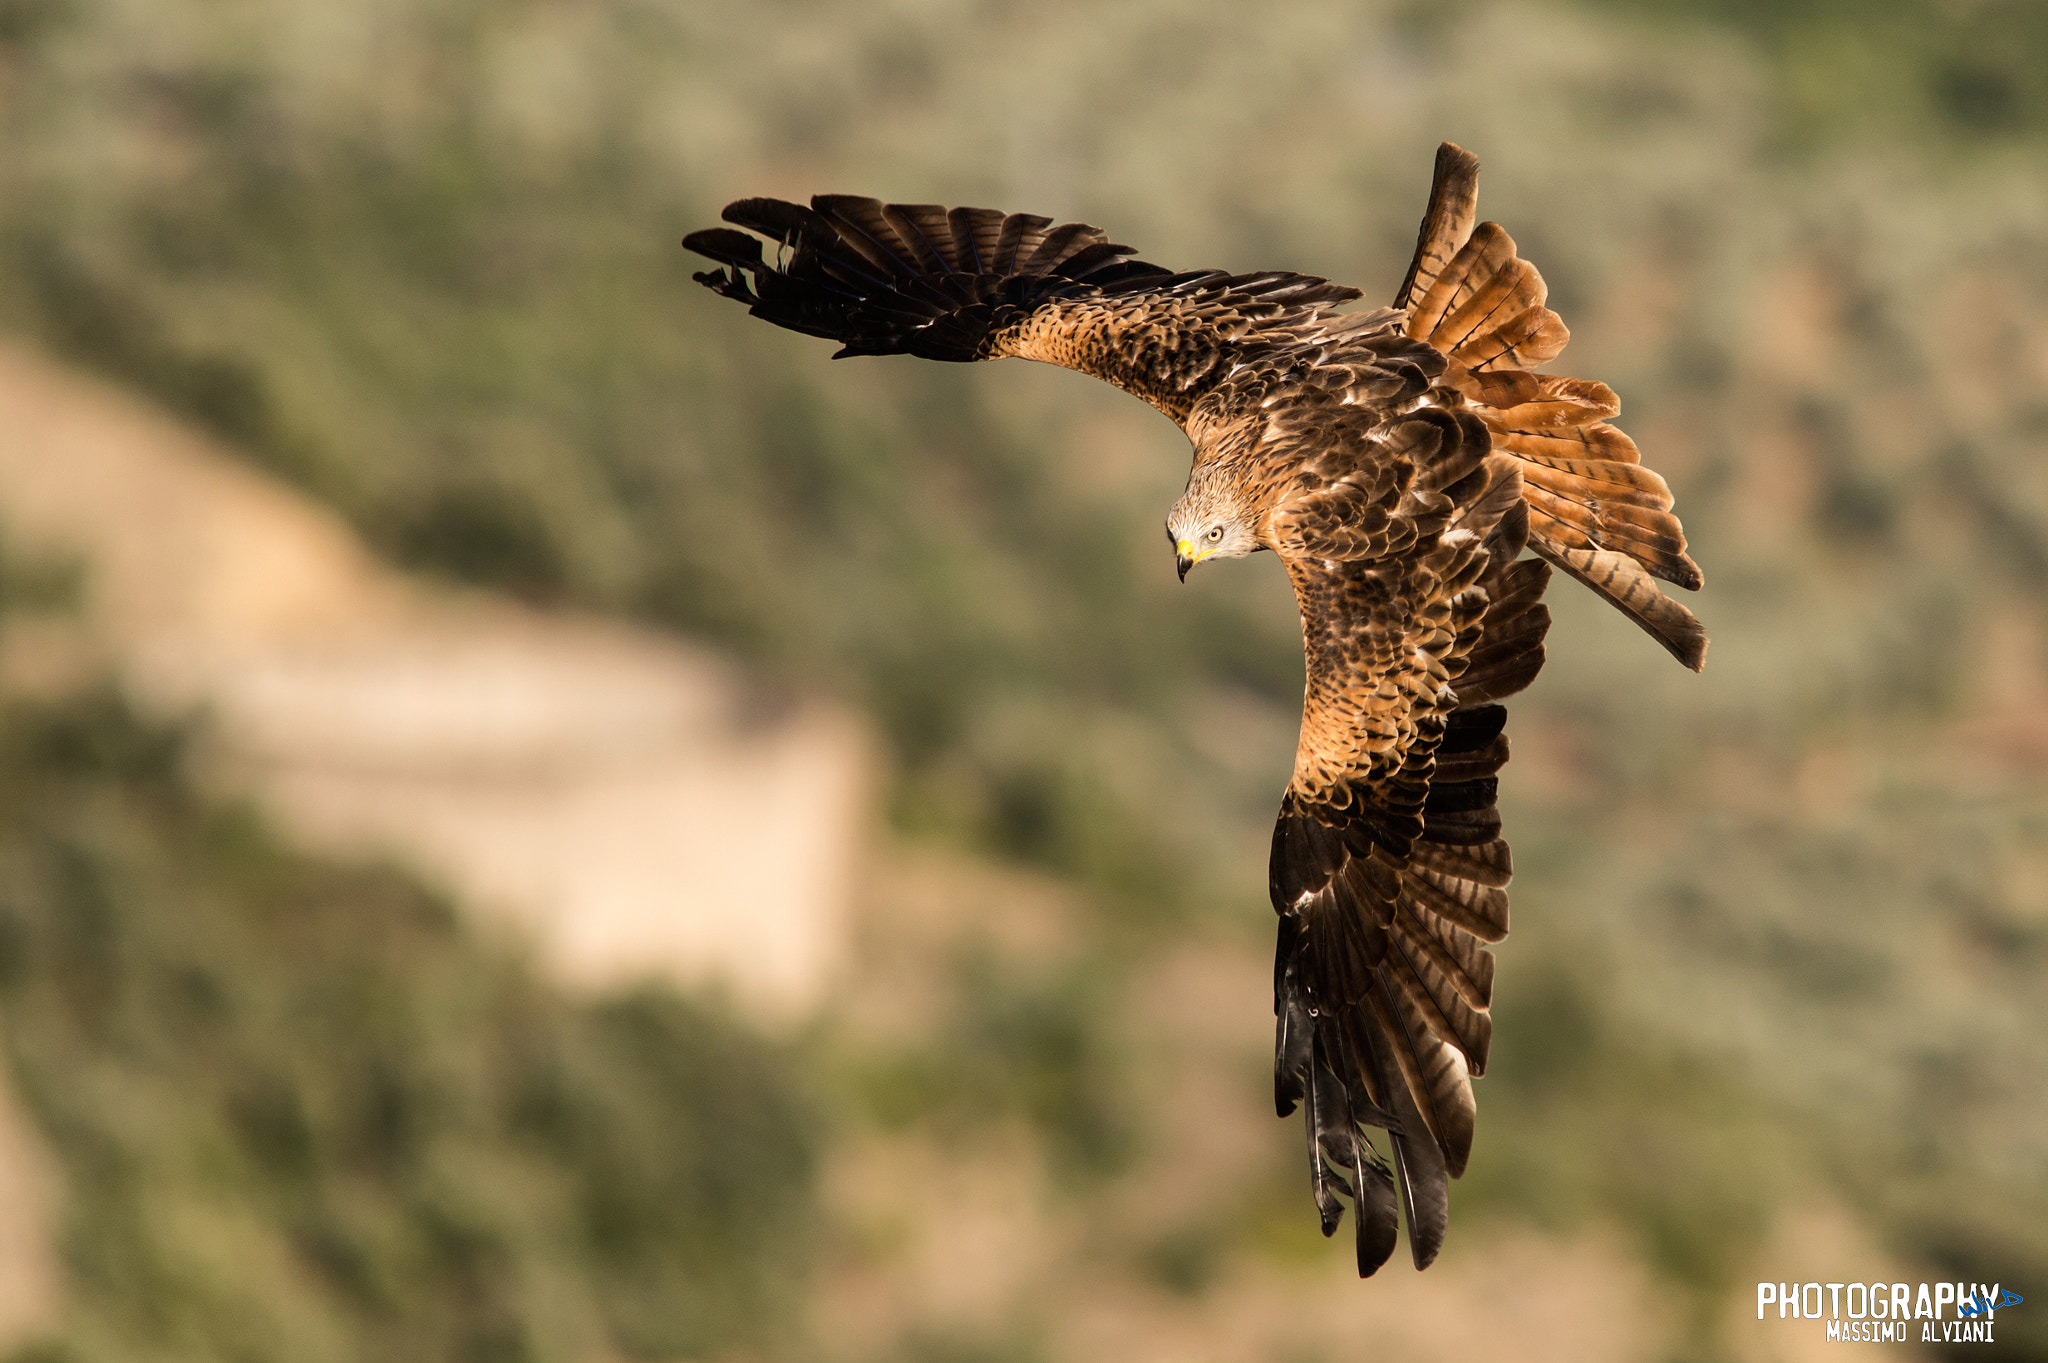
(1293, 1027)
(1379, 1223)
(1333, 1138)
(777, 218)
(727, 247)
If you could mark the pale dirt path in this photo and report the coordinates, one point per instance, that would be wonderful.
(615, 797)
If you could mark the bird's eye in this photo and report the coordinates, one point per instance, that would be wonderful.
(1215, 533)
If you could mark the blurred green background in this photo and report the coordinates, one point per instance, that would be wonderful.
(1781, 929)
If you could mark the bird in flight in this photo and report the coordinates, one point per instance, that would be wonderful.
(1399, 461)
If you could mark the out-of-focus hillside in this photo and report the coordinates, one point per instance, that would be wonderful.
(603, 791)
(295, 1111)
(1780, 928)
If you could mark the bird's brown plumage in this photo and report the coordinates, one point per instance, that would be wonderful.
(1398, 461)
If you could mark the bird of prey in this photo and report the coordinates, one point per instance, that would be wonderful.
(1398, 460)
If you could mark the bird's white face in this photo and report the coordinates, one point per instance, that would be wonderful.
(1200, 532)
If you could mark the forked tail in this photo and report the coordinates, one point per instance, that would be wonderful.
(1594, 509)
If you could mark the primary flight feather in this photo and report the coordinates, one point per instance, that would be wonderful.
(1398, 460)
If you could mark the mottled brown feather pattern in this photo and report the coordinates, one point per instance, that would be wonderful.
(1398, 460)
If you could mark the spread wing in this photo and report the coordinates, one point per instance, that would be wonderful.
(1388, 867)
(1389, 873)
(976, 284)
(1594, 510)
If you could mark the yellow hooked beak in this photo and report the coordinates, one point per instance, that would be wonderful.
(1185, 557)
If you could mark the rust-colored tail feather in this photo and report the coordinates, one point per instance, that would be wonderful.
(1446, 223)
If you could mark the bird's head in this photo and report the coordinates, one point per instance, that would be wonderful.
(1206, 523)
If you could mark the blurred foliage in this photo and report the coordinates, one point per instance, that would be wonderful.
(1937, 71)
(301, 1114)
(1018, 1044)
(419, 258)
(38, 584)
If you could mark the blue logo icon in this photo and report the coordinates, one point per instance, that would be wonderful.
(1974, 1306)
